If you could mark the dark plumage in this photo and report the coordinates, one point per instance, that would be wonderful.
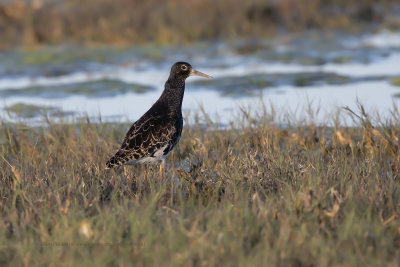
(152, 137)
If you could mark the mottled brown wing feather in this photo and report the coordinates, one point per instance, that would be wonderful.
(143, 139)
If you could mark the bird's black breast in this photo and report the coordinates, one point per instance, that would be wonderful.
(175, 137)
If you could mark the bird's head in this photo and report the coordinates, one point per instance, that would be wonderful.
(184, 70)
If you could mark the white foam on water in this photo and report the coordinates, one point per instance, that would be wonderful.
(388, 66)
(381, 39)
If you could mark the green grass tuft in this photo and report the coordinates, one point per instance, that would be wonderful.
(29, 111)
(395, 81)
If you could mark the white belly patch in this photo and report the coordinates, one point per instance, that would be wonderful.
(157, 158)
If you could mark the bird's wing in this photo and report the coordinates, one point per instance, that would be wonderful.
(144, 138)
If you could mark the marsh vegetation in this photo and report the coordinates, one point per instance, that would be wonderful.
(258, 193)
(124, 22)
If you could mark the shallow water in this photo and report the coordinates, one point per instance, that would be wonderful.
(294, 75)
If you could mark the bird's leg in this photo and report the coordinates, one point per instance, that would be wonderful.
(160, 170)
(162, 166)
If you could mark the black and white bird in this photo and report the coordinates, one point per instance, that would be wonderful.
(152, 137)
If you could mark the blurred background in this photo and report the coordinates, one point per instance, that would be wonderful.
(297, 59)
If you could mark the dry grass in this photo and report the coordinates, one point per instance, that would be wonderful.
(301, 196)
(134, 21)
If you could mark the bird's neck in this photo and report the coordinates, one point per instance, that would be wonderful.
(173, 94)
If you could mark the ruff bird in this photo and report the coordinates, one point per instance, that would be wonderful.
(152, 137)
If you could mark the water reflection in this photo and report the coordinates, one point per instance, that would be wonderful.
(291, 76)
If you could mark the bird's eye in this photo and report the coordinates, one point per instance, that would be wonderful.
(184, 67)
